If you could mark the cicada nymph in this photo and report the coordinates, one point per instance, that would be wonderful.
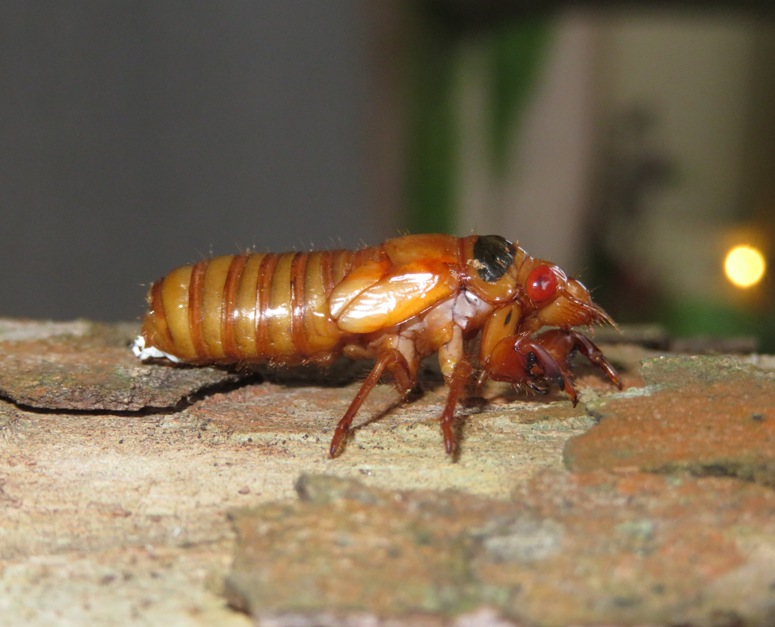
(395, 303)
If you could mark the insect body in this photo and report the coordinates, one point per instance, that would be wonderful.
(395, 303)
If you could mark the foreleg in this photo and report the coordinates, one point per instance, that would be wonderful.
(529, 361)
(524, 361)
(561, 343)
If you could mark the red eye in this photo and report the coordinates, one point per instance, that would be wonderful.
(541, 284)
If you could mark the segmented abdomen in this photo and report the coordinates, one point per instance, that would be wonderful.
(250, 307)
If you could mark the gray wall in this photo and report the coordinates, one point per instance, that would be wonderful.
(137, 136)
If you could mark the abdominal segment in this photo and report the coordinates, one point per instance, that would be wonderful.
(250, 308)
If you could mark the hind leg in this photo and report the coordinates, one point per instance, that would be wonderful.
(391, 360)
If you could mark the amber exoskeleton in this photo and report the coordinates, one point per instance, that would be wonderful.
(395, 303)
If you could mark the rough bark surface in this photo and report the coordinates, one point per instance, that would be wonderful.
(146, 493)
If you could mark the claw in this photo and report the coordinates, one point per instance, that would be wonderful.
(525, 361)
(595, 356)
(551, 369)
(533, 362)
(337, 441)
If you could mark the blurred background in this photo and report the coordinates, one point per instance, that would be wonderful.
(634, 145)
